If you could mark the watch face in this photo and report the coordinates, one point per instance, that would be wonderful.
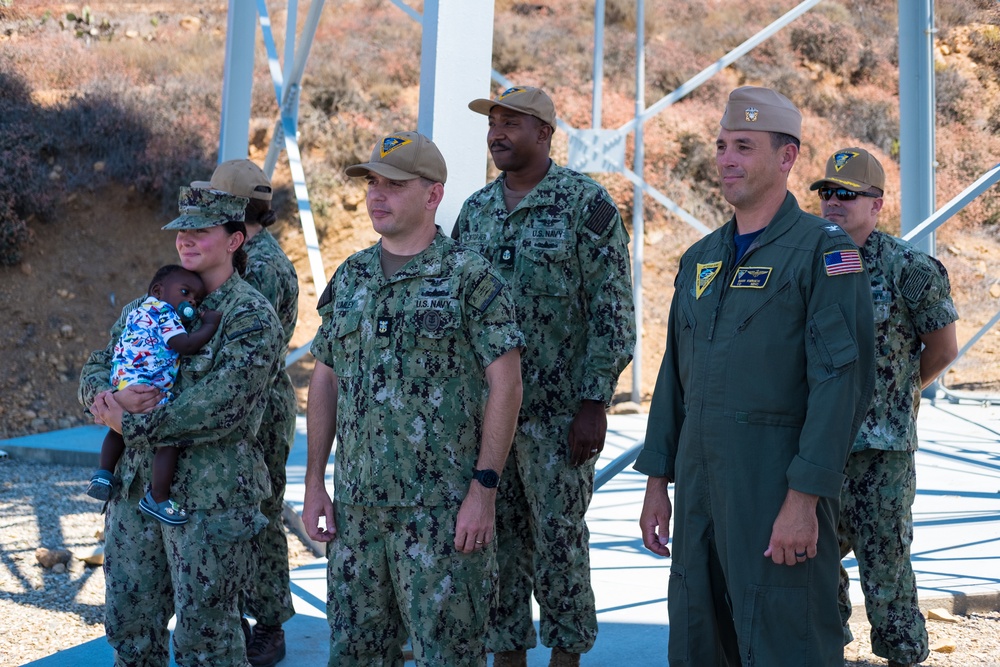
(488, 478)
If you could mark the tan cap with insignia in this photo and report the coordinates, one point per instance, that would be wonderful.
(201, 208)
(763, 110)
(403, 156)
(242, 178)
(853, 168)
(524, 99)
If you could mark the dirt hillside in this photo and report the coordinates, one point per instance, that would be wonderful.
(102, 246)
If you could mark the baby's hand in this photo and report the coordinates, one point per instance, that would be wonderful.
(211, 317)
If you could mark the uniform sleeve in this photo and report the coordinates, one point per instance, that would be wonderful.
(666, 410)
(607, 290)
(839, 344)
(491, 317)
(927, 291)
(229, 379)
(322, 344)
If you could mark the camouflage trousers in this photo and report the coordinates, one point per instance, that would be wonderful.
(268, 598)
(393, 572)
(194, 571)
(543, 544)
(877, 524)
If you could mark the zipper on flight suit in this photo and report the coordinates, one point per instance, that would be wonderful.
(729, 278)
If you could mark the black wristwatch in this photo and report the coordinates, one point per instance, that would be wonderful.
(488, 478)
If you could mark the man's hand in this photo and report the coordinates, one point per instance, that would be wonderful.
(476, 519)
(654, 520)
(139, 398)
(317, 503)
(587, 432)
(795, 531)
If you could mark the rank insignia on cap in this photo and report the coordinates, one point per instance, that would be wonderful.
(752, 114)
(842, 158)
(510, 91)
(840, 262)
(706, 274)
(389, 144)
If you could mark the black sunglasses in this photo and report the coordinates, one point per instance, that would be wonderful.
(843, 194)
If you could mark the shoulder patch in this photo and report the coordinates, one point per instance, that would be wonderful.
(484, 292)
(326, 297)
(840, 262)
(915, 283)
(601, 217)
(243, 326)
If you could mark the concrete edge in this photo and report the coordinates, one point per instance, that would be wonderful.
(48, 455)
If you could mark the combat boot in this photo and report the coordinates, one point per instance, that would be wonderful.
(267, 648)
(510, 659)
(561, 658)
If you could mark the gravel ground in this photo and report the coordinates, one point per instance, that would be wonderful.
(43, 611)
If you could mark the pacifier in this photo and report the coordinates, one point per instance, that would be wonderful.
(187, 311)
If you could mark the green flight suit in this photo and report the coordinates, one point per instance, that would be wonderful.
(766, 377)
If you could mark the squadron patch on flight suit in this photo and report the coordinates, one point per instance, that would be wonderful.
(706, 274)
(484, 292)
(601, 217)
(751, 276)
(840, 262)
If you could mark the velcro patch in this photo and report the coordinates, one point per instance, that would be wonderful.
(243, 326)
(706, 274)
(326, 297)
(484, 292)
(840, 262)
(916, 283)
(751, 276)
(601, 217)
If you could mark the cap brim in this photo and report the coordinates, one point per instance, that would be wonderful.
(381, 169)
(484, 106)
(202, 185)
(194, 221)
(839, 181)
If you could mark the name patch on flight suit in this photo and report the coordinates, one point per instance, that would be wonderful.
(506, 257)
(751, 276)
(706, 274)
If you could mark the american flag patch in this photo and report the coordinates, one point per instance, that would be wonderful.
(840, 262)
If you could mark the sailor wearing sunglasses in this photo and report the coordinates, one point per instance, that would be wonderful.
(914, 342)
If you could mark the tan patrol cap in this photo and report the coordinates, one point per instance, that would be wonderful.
(242, 178)
(853, 168)
(525, 99)
(763, 110)
(403, 156)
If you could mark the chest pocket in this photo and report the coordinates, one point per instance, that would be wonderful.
(432, 338)
(881, 303)
(347, 332)
(194, 367)
(545, 261)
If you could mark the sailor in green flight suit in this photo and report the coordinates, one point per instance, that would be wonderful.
(766, 377)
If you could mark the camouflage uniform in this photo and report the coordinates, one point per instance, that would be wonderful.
(269, 271)
(564, 250)
(196, 570)
(911, 296)
(409, 353)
